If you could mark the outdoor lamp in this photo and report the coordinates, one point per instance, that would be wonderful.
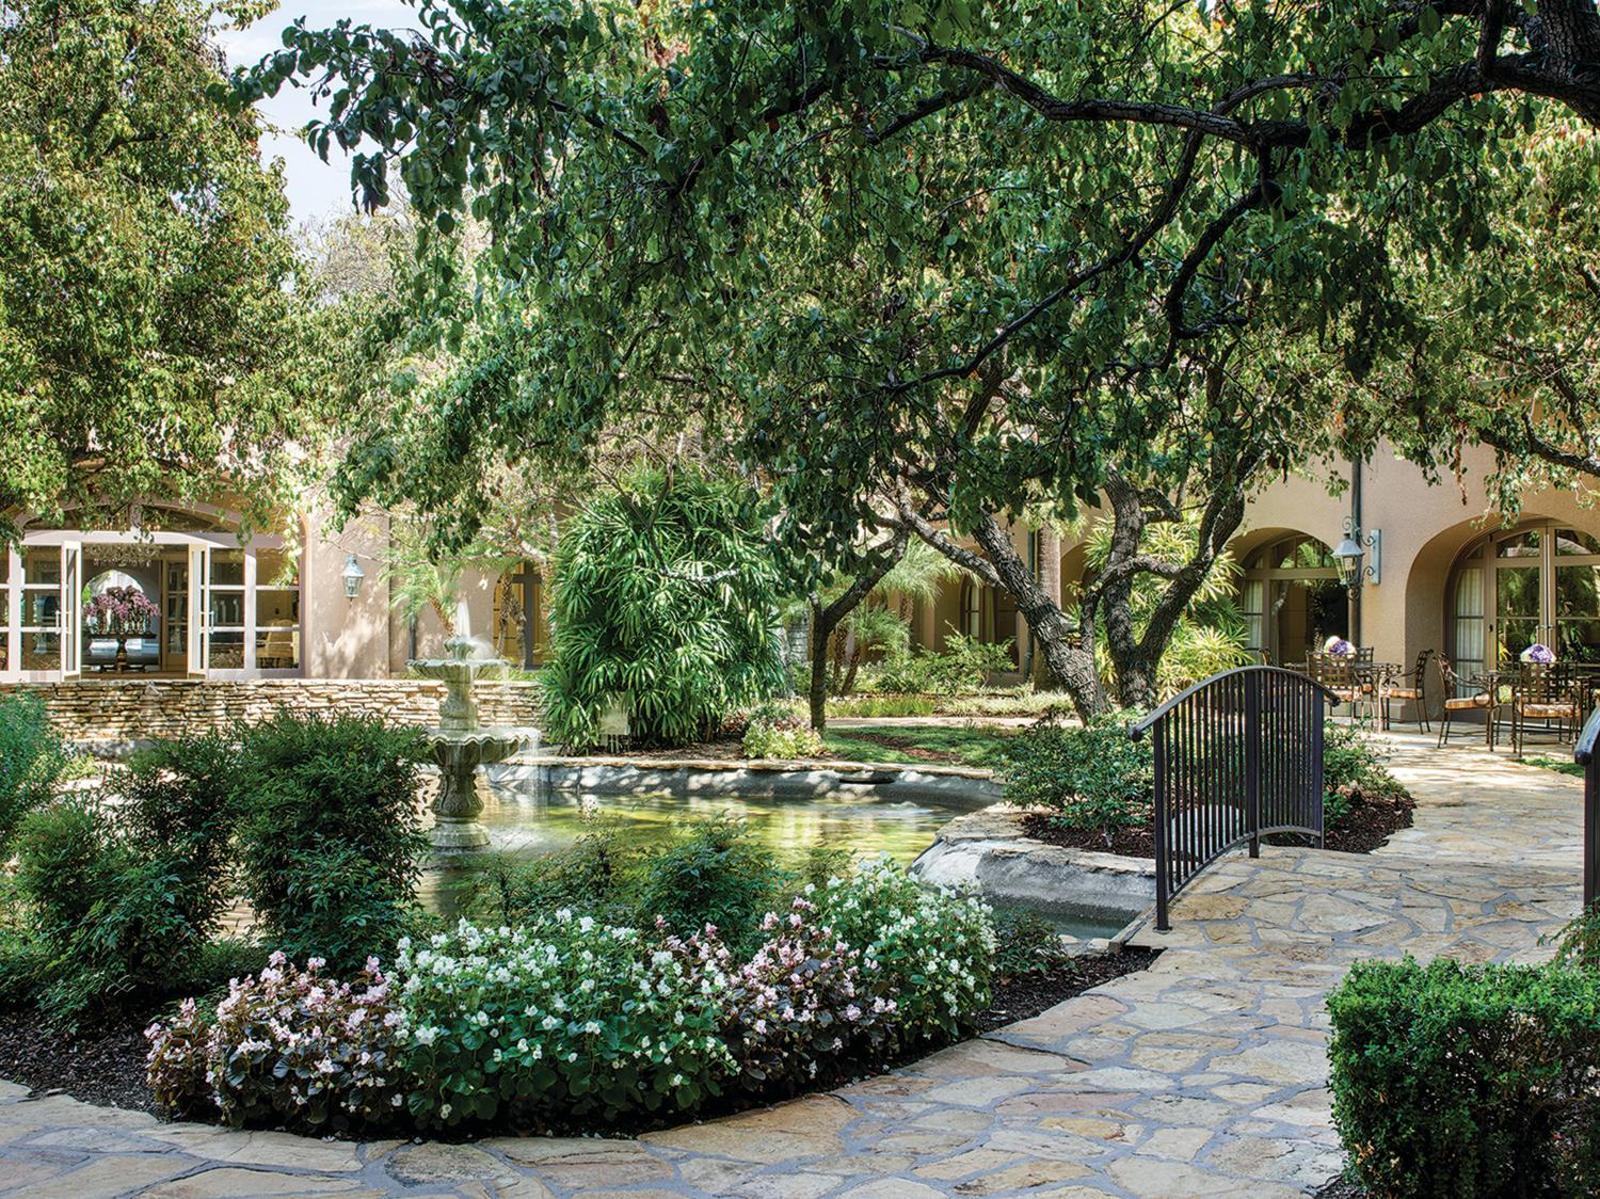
(352, 574)
(1348, 555)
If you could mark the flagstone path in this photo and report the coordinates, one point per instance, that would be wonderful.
(1202, 1076)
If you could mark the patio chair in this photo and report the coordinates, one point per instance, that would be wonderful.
(1412, 688)
(1543, 692)
(1455, 701)
(1342, 676)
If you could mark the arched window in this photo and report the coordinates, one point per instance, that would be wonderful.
(520, 633)
(971, 619)
(1292, 598)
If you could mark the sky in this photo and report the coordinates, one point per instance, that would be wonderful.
(316, 189)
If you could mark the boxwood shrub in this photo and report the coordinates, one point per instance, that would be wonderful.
(1468, 1082)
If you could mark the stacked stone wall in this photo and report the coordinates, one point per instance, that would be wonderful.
(131, 710)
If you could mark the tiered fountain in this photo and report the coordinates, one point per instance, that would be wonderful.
(459, 745)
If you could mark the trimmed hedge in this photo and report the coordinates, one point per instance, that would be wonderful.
(1468, 1082)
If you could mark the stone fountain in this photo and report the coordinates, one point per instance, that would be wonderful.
(460, 746)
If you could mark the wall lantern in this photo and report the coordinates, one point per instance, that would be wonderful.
(1348, 555)
(352, 574)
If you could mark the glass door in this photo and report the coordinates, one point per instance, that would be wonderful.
(175, 616)
(71, 609)
(199, 568)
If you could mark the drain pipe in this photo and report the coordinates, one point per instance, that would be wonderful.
(1355, 519)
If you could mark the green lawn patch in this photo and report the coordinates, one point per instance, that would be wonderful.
(945, 746)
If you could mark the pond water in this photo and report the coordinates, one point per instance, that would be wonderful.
(526, 821)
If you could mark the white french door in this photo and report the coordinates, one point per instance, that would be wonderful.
(199, 608)
(71, 610)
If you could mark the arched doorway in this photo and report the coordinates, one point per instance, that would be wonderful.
(1538, 582)
(520, 632)
(1292, 598)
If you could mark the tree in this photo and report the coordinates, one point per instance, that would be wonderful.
(943, 263)
(144, 321)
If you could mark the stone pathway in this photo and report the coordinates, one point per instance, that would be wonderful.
(1202, 1076)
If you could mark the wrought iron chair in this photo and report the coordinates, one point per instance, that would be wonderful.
(1410, 688)
(1455, 701)
(1341, 675)
(1543, 692)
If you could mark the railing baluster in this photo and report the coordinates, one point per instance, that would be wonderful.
(1239, 754)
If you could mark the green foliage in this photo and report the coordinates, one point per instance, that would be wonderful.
(1579, 943)
(330, 834)
(1026, 943)
(1094, 777)
(596, 875)
(882, 705)
(1467, 1082)
(31, 761)
(930, 951)
(781, 734)
(971, 745)
(562, 1023)
(715, 875)
(961, 668)
(147, 339)
(665, 597)
(1353, 771)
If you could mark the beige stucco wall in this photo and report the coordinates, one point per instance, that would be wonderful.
(344, 638)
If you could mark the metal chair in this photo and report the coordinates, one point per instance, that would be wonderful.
(1341, 676)
(1543, 692)
(1413, 688)
(1454, 701)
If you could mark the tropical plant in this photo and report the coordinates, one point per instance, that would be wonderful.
(665, 603)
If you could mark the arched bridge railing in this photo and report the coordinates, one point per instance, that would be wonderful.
(1587, 754)
(1237, 756)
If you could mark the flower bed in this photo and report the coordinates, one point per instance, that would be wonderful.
(570, 1024)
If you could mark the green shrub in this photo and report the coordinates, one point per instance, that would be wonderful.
(110, 917)
(558, 1024)
(595, 875)
(665, 599)
(1026, 943)
(1353, 771)
(780, 737)
(881, 705)
(1468, 1082)
(961, 668)
(718, 875)
(330, 833)
(1095, 777)
(1578, 945)
(930, 951)
(31, 762)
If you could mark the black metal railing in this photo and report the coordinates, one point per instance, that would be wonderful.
(1583, 754)
(1238, 756)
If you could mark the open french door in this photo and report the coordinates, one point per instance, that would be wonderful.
(199, 609)
(71, 609)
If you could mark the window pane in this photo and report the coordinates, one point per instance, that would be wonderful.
(227, 568)
(1579, 638)
(1521, 545)
(40, 609)
(1573, 541)
(1578, 590)
(42, 566)
(278, 648)
(227, 650)
(277, 606)
(276, 568)
(41, 651)
(227, 609)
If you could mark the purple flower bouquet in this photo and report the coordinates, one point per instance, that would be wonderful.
(1338, 647)
(1538, 655)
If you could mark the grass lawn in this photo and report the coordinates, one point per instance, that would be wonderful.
(1559, 765)
(897, 743)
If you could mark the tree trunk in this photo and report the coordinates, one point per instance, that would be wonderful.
(825, 619)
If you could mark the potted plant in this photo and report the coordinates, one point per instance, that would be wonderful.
(119, 612)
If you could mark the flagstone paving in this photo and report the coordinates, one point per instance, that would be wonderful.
(1202, 1076)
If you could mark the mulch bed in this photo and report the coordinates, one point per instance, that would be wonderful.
(1370, 821)
(105, 1065)
(98, 1065)
(1027, 996)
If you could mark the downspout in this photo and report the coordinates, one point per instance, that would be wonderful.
(1360, 526)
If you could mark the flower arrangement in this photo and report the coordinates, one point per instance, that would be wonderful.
(288, 1047)
(119, 612)
(1338, 647)
(1538, 655)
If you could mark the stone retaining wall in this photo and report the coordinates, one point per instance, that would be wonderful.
(133, 710)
